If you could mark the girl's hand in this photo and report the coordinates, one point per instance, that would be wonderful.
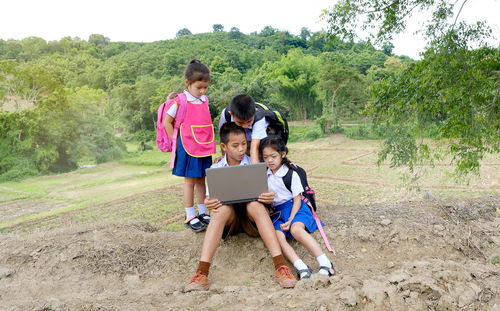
(266, 197)
(286, 226)
(212, 204)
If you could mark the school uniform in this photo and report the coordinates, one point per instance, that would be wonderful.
(241, 222)
(283, 201)
(258, 130)
(186, 165)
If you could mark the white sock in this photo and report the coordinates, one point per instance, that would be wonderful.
(300, 265)
(202, 209)
(190, 212)
(323, 261)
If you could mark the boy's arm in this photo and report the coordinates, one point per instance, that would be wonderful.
(254, 151)
(168, 123)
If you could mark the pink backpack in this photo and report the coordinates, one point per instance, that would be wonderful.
(165, 143)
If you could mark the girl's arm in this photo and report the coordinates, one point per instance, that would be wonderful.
(296, 206)
(168, 123)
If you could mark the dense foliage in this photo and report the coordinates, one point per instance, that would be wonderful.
(63, 102)
(453, 91)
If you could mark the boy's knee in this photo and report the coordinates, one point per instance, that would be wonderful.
(256, 209)
(223, 214)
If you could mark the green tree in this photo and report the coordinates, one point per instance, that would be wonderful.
(183, 32)
(295, 77)
(453, 90)
(217, 27)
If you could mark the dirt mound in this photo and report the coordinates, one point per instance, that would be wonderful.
(437, 255)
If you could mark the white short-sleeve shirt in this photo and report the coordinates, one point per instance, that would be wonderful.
(190, 98)
(223, 163)
(255, 131)
(276, 184)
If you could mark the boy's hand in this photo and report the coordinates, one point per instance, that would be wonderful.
(218, 159)
(212, 204)
(266, 197)
(286, 226)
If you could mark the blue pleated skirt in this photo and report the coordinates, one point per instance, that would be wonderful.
(304, 215)
(188, 166)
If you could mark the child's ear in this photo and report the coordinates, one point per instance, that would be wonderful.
(186, 82)
(223, 147)
(283, 154)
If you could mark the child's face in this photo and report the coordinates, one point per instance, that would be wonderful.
(243, 123)
(235, 148)
(272, 158)
(197, 88)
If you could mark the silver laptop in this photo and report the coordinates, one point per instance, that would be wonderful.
(237, 184)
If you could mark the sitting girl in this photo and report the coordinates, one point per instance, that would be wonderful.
(292, 218)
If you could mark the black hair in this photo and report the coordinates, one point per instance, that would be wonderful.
(276, 143)
(196, 71)
(243, 106)
(229, 128)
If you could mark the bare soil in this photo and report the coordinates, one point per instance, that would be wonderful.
(408, 255)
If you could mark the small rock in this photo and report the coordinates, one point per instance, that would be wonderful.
(390, 265)
(348, 296)
(124, 293)
(5, 273)
(385, 222)
(429, 196)
(398, 276)
(363, 250)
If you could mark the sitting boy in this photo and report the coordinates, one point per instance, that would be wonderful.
(254, 220)
(242, 111)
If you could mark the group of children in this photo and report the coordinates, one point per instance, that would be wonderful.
(277, 214)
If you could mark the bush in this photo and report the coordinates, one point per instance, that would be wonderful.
(22, 169)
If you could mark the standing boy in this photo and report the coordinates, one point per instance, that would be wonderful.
(254, 220)
(242, 111)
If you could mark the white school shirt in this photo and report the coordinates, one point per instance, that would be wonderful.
(255, 131)
(223, 163)
(172, 111)
(276, 184)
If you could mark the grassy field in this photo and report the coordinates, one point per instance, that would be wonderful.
(141, 186)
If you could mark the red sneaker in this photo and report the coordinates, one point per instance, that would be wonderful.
(198, 282)
(285, 277)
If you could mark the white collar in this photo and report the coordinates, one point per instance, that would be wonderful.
(191, 98)
(245, 161)
(280, 172)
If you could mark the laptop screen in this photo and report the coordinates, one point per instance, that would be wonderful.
(236, 184)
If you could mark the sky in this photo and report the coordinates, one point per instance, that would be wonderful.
(153, 20)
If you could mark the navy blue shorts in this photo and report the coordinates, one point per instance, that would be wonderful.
(304, 215)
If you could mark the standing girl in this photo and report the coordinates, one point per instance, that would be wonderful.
(292, 217)
(195, 142)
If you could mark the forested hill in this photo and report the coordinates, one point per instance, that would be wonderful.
(63, 101)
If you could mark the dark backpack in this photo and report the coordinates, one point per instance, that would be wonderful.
(278, 124)
(308, 194)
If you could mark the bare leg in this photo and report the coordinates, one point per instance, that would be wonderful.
(199, 190)
(287, 249)
(258, 214)
(188, 191)
(299, 232)
(221, 217)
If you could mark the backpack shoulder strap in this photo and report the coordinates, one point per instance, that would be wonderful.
(287, 179)
(181, 109)
(227, 115)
